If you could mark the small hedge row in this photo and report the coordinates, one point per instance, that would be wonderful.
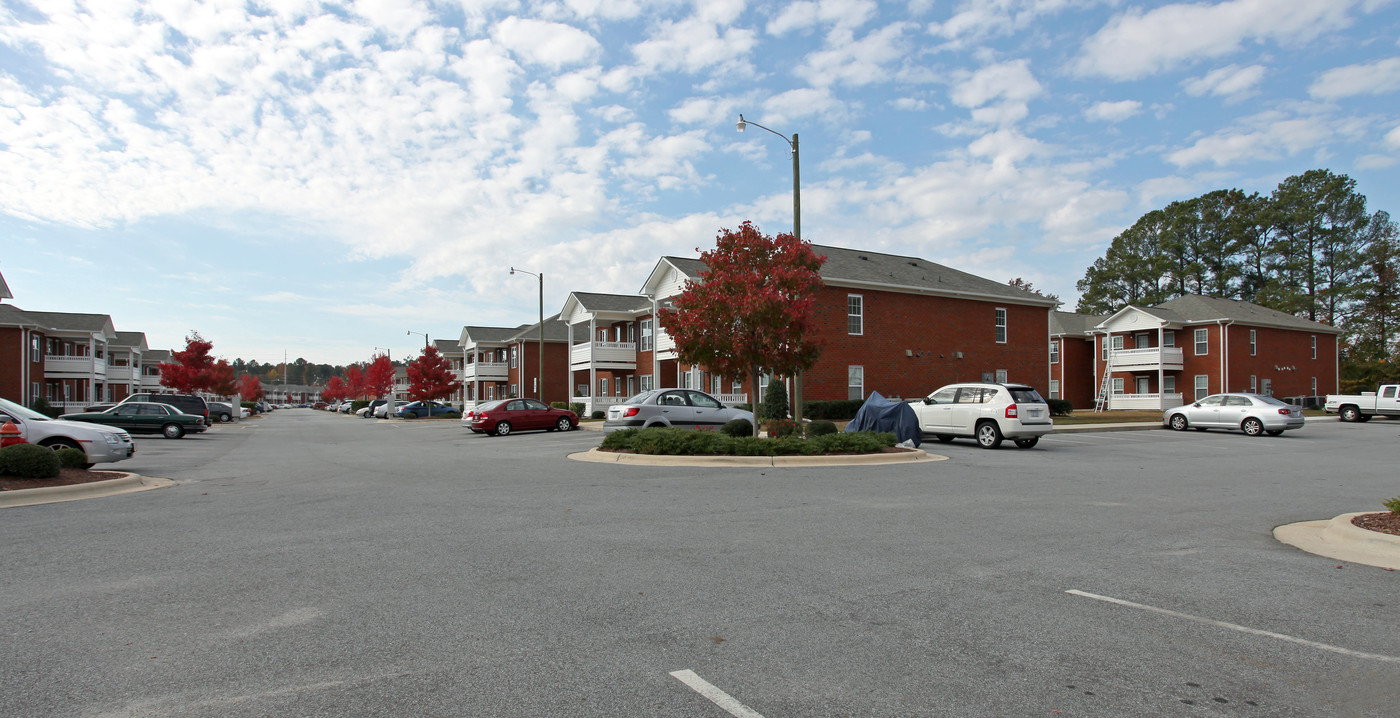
(687, 442)
(29, 461)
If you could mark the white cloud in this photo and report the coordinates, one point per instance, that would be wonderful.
(802, 15)
(1368, 78)
(909, 104)
(1392, 138)
(1137, 44)
(977, 20)
(704, 110)
(852, 61)
(1230, 81)
(551, 44)
(997, 94)
(692, 45)
(1112, 111)
(1268, 135)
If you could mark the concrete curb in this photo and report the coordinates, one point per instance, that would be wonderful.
(128, 484)
(1127, 426)
(608, 457)
(1338, 538)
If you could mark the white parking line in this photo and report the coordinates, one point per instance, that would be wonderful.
(1242, 629)
(719, 697)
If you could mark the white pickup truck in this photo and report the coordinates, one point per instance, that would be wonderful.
(1361, 407)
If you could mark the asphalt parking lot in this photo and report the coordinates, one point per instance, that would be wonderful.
(310, 564)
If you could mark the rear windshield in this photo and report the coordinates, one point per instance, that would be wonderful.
(1025, 395)
(1270, 400)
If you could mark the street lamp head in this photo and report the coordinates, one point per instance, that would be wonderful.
(512, 271)
(741, 125)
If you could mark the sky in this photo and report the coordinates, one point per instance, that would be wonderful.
(322, 178)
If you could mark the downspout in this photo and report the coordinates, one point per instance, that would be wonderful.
(1161, 371)
(1224, 352)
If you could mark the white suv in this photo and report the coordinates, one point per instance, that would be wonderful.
(986, 412)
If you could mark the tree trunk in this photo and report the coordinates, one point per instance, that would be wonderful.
(757, 396)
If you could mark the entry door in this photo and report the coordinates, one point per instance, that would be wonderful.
(1144, 385)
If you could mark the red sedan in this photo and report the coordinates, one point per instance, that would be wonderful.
(510, 415)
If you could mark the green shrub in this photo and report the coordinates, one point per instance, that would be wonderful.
(835, 410)
(43, 406)
(821, 427)
(778, 428)
(450, 415)
(751, 446)
(71, 458)
(558, 404)
(737, 428)
(29, 461)
(620, 439)
(861, 442)
(775, 401)
(1393, 505)
(793, 445)
(1060, 407)
(600, 414)
(576, 407)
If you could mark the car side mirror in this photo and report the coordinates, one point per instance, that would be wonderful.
(1197, 405)
(928, 400)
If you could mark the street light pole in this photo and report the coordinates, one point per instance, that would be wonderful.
(742, 125)
(540, 385)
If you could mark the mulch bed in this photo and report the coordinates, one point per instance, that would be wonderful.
(886, 450)
(1386, 523)
(66, 477)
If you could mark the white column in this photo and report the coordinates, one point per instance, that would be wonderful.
(592, 366)
(569, 359)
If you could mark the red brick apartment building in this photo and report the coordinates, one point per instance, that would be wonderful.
(902, 326)
(59, 356)
(503, 362)
(1184, 349)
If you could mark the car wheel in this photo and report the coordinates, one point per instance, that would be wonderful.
(1350, 413)
(945, 438)
(989, 435)
(1252, 426)
(1274, 432)
(503, 428)
(61, 444)
(564, 424)
(172, 431)
(1178, 422)
(1027, 443)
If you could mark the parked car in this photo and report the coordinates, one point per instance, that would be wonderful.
(140, 417)
(382, 411)
(680, 408)
(321, 405)
(220, 411)
(369, 409)
(413, 410)
(188, 403)
(506, 416)
(1385, 401)
(102, 444)
(1254, 414)
(988, 413)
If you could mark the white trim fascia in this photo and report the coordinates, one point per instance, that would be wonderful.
(907, 289)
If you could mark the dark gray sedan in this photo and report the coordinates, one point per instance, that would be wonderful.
(1254, 414)
(681, 408)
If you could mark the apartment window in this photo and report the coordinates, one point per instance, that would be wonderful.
(603, 334)
(1202, 386)
(686, 377)
(1169, 338)
(1117, 385)
(602, 386)
(1314, 386)
(1001, 325)
(631, 385)
(36, 390)
(1117, 346)
(644, 382)
(1202, 342)
(1253, 344)
(35, 349)
(855, 314)
(1055, 352)
(1054, 388)
(646, 335)
(716, 385)
(763, 380)
(512, 363)
(1314, 349)
(1253, 380)
(737, 386)
(1169, 384)
(631, 332)
(1001, 376)
(514, 390)
(855, 383)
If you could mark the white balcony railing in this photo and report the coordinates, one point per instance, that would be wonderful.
(79, 367)
(1150, 359)
(603, 355)
(119, 373)
(486, 371)
(1159, 402)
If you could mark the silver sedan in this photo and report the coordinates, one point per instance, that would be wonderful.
(681, 408)
(1254, 414)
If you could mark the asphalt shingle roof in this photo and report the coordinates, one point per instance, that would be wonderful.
(594, 302)
(1195, 308)
(1062, 323)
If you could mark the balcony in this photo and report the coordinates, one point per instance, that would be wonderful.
(119, 373)
(486, 371)
(62, 367)
(1150, 359)
(1155, 402)
(603, 355)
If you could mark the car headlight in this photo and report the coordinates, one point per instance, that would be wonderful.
(112, 439)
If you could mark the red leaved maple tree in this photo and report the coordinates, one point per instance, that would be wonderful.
(354, 381)
(430, 376)
(189, 370)
(335, 389)
(221, 379)
(379, 377)
(752, 309)
(250, 388)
